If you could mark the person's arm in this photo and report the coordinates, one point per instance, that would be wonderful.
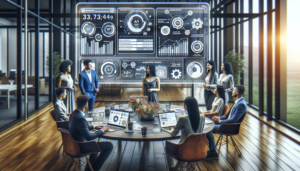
(96, 82)
(81, 85)
(82, 126)
(239, 113)
(231, 83)
(143, 85)
(58, 111)
(178, 127)
(215, 83)
(59, 82)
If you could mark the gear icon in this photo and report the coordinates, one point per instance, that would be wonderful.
(197, 23)
(176, 74)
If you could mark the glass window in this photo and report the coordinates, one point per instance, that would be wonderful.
(255, 57)
(293, 63)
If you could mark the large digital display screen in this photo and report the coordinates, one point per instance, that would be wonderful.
(122, 39)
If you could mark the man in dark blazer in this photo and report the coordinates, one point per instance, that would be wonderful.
(234, 115)
(79, 130)
(88, 83)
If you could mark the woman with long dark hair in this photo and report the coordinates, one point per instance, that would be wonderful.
(65, 80)
(192, 123)
(210, 84)
(226, 79)
(151, 84)
(218, 103)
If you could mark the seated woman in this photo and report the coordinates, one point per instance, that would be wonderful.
(59, 106)
(191, 124)
(218, 103)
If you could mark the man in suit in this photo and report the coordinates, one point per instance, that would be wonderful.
(234, 115)
(88, 83)
(79, 130)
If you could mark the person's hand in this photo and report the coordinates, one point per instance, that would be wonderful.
(105, 129)
(98, 127)
(96, 90)
(68, 114)
(149, 90)
(204, 85)
(172, 128)
(216, 119)
(75, 88)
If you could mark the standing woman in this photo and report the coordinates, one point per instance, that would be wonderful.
(210, 84)
(151, 84)
(65, 80)
(226, 79)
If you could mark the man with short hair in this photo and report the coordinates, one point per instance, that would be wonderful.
(79, 130)
(88, 83)
(234, 115)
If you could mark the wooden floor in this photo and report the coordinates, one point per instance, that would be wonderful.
(33, 145)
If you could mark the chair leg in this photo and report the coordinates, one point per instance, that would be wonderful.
(88, 161)
(77, 164)
(218, 140)
(227, 142)
(198, 166)
(235, 146)
(69, 164)
(220, 144)
(60, 148)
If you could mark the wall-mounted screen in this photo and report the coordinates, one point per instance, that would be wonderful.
(122, 39)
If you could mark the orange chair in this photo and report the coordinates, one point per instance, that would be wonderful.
(228, 130)
(193, 149)
(76, 149)
(60, 124)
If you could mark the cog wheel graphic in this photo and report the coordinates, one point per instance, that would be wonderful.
(197, 23)
(176, 74)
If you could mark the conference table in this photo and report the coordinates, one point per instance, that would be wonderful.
(8, 88)
(154, 131)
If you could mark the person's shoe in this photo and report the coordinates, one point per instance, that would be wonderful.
(212, 154)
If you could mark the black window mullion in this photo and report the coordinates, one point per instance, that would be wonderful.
(261, 59)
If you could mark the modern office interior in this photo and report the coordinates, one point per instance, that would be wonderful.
(259, 38)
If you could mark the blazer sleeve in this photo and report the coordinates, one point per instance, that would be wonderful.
(178, 127)
(215, 82)
(81, 84)
(59, 112)
(237, 115)
(231, 83)
(96, 81)
(83, 128)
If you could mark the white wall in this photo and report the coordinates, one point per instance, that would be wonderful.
(3, 49)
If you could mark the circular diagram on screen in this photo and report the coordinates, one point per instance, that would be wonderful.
(108, 29)
(136, 22)
(197, 46)
(161, 71)
(165, 30)
(109, 69)
(194, 69)
(116, 118)
(177, 22)
(88, 29)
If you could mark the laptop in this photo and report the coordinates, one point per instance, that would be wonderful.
(167, 121)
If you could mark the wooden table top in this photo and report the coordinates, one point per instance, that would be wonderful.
(136, 135)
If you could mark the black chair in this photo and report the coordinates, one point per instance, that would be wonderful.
(228, 130)
(12, 75)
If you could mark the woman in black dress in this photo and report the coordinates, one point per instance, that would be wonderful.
(151, 84)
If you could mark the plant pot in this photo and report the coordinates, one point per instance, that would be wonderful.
(148, 117)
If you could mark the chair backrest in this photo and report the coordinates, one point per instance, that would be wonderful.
(193, 148)
(12, 75)
(52, 113)
(70, 146)
(226, 108)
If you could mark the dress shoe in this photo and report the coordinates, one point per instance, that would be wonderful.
(212, 154)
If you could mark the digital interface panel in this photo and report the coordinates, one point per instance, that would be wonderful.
(122, 39)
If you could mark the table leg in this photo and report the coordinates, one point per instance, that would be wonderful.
(7, 99)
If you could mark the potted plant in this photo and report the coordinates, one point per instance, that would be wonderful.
(238, 66)
(56, 61)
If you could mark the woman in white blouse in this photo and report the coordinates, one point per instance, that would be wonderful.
(218, 103)
(226, 79)
(210, 84)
